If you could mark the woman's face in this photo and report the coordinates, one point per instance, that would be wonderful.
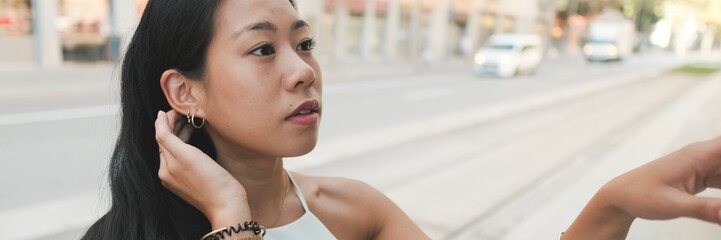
(263, 86)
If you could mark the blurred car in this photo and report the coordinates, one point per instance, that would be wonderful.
(609, 39)
(507, 55)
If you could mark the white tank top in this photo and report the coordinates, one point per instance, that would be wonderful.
(307, 227)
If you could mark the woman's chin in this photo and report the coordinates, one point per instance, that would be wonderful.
(301, 150)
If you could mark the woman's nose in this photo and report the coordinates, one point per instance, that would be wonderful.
(297, 72)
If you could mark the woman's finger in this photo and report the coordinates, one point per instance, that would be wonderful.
(702, 208)
(186, 131)
(716, 142)
(161, 126)
(164, 136)
(710, 148)
(172, 115)
(164, 173)
(163, 154)
(713, 182)
(178, 126)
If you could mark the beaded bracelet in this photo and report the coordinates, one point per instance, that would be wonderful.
(257, 229)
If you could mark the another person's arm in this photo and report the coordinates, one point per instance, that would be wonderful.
(660, 190)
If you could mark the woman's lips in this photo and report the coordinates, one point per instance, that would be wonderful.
(308, 119)
(306, 113)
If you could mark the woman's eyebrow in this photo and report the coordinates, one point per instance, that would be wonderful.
(262, 26)
(267, 26)
(300, 24)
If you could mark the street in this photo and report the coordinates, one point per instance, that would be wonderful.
(465, 157)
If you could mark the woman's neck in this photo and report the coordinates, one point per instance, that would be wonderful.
(265, 181)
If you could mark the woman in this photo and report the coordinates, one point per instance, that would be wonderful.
(215, 93)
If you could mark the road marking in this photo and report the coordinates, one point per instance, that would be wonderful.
(60, 114)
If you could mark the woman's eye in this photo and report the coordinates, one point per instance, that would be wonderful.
(307, 45)
(264, 50)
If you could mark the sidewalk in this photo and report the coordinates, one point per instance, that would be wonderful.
(693, 117)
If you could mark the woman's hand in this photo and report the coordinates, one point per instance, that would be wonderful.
(196, 178)
(665, 188)
(660, 190)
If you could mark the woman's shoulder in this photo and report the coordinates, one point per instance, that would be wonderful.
(352, 209)
(335, 188)
(343, 203)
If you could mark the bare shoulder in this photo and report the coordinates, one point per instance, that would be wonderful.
(337, 188)
(339, 194)
(351, 209)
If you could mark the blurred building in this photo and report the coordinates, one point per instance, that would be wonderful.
(15, 31)
(50, 32)
(418, 30)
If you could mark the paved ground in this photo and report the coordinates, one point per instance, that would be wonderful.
(685, 119)
(489, 176)
(435, 135)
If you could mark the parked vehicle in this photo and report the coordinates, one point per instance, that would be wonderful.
(507, 55)
(609, 39)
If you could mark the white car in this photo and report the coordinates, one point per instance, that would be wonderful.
(507, 55)
(610, 37)
(609, 40)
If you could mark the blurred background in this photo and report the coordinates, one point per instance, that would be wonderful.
(482, 119)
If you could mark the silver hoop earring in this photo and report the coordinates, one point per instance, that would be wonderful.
(191, 120)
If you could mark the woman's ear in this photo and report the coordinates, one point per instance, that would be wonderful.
(182, 93)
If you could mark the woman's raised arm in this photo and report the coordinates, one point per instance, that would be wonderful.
(660, 190)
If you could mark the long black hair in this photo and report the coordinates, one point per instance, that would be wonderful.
(172, 34)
